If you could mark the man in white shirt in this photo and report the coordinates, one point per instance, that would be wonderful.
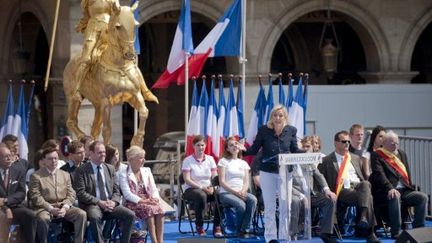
(345, 176)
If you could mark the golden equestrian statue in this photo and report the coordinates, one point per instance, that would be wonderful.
(106, 72)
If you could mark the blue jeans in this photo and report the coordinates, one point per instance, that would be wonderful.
(244, 209)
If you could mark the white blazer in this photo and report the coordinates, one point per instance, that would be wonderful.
(148, 181)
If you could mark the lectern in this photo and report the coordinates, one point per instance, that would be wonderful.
(295, 172)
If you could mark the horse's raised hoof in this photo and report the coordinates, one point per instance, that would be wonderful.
(137, 141)
(149, 96)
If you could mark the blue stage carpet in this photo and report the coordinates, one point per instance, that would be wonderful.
(172, 235)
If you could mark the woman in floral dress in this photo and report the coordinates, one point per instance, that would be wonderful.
(140, 193)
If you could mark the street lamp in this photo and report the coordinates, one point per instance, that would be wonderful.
(329, 52)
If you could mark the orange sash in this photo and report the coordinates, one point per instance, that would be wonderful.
(392, 160)
(343, 170)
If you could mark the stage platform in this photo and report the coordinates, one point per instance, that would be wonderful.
(173, 236)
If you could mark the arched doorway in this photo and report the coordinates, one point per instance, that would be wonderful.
(298, 49)
(421, 60)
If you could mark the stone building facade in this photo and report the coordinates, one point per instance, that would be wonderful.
(381, 41)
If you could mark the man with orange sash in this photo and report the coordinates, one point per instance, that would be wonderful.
(392, 184)
(345, 177)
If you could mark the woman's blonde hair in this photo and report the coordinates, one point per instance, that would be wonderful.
(134, 151)
(275, 109)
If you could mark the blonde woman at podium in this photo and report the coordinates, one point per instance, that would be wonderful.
(274, 138)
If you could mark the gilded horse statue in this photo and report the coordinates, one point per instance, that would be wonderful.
(113, 77)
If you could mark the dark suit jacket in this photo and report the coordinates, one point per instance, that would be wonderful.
(16, 191)
(85, 184)
(384, 177)
(319, 182)
(330, 168)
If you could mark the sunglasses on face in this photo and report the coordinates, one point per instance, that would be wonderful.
(345, 141)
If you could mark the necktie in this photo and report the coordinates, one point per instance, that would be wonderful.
(6, 178)
(101, 186)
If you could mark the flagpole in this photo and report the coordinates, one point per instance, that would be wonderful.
(243, 59)
(186, 93)
(52, 45)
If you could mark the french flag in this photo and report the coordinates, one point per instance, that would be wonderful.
(212, 129)
(20, 128)
(256, 120)
(182, 45)
(221, 118)
(281, 91)
(223, 40)
(231, 128)
(296, 111)
(9, 115)
(257, 116)
(270, 100)
(192, 128)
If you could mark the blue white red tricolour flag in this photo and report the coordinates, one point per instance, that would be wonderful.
(192, 128)
(270, 100)
(221, 118)
(281, 92)
(8, 115)
(257, 116)
(290, 97)
(182, 44)
(20, 128)
(305, 99)
(296, 111)
(223, 40)
(231, 120)
(212, 129)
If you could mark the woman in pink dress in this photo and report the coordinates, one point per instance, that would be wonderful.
(140, 193)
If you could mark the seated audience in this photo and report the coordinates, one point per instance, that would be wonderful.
(99, 195)
(198, 169)
(51, 196)
(141, 194)
(392, 184)
(234, 185)
(345, 177)
(12, 195)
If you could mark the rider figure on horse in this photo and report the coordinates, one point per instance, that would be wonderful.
(95, 20)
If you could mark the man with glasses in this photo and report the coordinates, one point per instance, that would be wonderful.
(12, 194)
(51, 196)
(344, 175)
(76, 157)
(392, 184)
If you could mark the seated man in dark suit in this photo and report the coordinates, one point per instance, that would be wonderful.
(344, 174)
(12, 194)
(99, 195)
(11, 141)
(51, 196)
(391, 184)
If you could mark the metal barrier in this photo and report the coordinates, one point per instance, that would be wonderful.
(419, 152)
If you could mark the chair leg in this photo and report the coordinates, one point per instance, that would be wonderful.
(336, 230)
